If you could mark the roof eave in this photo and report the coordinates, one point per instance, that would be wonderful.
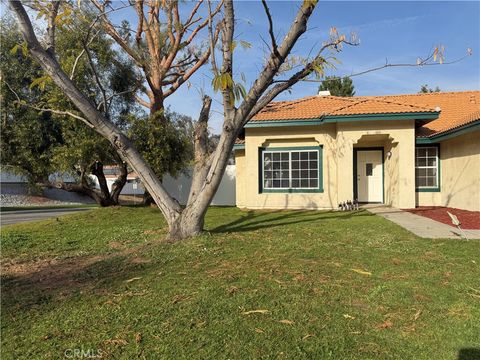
(423, 116)
(445, 135)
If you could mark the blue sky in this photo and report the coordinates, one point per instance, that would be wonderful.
(398, 31)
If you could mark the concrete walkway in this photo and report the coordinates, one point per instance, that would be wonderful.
(420, 225)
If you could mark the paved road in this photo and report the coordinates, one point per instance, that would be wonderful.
(13, 217)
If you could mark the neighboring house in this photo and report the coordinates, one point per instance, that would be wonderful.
(133, 185)
(403, 151)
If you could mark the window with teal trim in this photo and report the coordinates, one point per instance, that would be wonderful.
(293, 170)
(426, 167)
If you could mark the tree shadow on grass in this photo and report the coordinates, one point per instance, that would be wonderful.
(256, 220)
(41, 283)
(469, 354)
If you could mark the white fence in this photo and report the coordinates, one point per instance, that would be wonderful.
(180, 187)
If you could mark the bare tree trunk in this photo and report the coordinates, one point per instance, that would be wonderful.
(119, 183)
(82, 187)
(97, 170)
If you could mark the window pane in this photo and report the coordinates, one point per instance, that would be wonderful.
(296, 169)
(421, 152)
(426, 166)
(368, 169)
(421, 162)
(421, 181)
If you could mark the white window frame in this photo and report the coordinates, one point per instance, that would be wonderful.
(271, 151)
(436, 167)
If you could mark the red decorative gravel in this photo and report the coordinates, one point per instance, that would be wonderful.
(468, 219)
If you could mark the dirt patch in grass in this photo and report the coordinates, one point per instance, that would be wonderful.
(62, 275)
(468, 219)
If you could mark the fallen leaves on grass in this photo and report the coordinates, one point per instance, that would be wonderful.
(362, 272)
(417, 315)
(396, 261)
(385, 325)
(116, 342)
(138, 338)
(260, 331)
(255, 312)
(232, 290)
(287, 322)
(307, 336)
(131, 293)
(475, 292)
(181, 297)
(299, 277)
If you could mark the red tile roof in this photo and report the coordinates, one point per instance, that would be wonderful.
(456, 108)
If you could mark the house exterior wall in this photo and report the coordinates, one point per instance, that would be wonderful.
(398, 137)
(240, 184)
(338, 141)
(459, 174)
(287, 136)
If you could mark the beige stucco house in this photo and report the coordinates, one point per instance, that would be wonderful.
(404, 151)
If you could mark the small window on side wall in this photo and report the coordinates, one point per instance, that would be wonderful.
(427, 168)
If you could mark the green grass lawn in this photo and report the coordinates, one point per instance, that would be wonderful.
(280, 285)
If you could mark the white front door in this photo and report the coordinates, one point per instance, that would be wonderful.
(369, 176)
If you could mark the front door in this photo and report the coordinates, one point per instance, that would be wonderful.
(370, 176)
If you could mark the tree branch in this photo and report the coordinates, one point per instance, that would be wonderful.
(271, 68)
(54, 111)
(270, 28)
(51, 27)
(169, 206)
